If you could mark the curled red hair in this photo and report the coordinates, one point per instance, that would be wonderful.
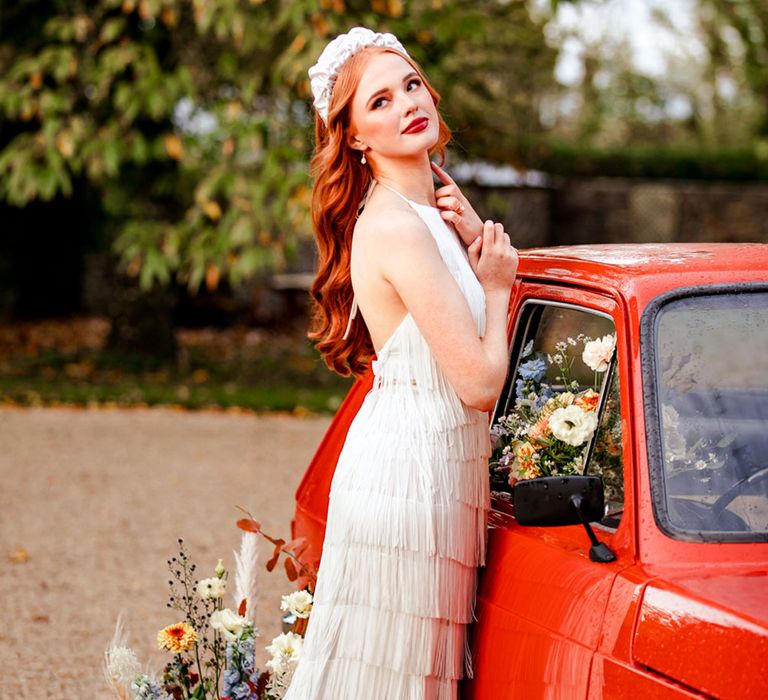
(340, 182)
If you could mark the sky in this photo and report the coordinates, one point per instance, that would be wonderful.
(651, 43)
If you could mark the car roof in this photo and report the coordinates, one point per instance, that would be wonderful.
(644, 270)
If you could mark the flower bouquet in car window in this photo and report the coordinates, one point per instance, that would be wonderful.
(555, 414)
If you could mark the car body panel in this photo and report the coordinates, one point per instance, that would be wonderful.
(667, 619)
(690, 628)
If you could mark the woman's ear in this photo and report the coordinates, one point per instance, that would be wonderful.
(355, 143)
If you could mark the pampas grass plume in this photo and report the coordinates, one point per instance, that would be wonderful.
(246, 575)
(120, 663)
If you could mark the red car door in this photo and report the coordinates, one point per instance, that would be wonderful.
(541, 600)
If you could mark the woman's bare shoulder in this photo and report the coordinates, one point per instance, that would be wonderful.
(382, 225)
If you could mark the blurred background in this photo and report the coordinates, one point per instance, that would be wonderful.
(155, 243)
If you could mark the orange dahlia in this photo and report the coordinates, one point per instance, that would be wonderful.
(176, 638)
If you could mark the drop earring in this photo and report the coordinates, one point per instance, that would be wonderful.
(362, 159)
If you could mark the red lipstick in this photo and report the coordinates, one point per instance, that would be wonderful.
(416, 125)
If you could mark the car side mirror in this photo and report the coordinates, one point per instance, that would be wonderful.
(563, 500)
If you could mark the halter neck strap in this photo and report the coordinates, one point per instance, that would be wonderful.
(392, 189)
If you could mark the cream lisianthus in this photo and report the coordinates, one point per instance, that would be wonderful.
(212, 588)
(299, 603)
(230, 624)
(573, 425)
(285, 648)
(597, 353)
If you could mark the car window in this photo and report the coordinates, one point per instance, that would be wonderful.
(560, 413)
(606, 459)
(712, 393)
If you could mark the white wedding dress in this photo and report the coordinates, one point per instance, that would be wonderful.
(406, 525)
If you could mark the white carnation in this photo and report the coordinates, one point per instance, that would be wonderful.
(573, 425)
(299, 603)
(597, 353)
(212, 588)
(228, 623)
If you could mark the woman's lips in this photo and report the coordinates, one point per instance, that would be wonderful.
(417, 125)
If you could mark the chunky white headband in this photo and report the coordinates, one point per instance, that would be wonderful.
(323, 74)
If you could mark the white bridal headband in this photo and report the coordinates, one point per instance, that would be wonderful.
(323, 74)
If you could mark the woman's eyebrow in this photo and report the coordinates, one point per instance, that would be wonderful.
(383, 90)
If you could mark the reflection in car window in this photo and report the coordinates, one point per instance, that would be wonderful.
(712, 388)
(554, 411)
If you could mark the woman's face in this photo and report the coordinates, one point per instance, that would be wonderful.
(393, 116)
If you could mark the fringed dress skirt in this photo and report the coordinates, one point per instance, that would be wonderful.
(406, 526)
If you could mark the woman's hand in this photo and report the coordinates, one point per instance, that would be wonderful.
(455, 208)
(493, 259)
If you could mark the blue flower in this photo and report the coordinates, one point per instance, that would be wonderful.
(528, 349)
(240, 670)
(533, 370)
(145, 688)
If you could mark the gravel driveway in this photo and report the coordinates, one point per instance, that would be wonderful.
(98, 498)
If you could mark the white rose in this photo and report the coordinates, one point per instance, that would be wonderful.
(212, 588)
(228, 623)
(597, 353)
(573, 425)
(286, 646)
(299, 603)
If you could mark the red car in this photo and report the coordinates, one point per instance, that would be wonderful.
(666, 594)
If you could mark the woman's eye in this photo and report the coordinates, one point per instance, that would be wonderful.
(377, 103)
(414, 81)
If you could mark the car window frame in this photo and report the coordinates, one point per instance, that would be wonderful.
(515, 350)
(653, 428)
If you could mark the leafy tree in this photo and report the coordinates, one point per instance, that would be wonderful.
(191, 117)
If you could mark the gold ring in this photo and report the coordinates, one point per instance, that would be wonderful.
(460, 210)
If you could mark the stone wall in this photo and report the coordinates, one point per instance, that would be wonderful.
(617, 210)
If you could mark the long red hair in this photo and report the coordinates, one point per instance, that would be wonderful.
(340, 182)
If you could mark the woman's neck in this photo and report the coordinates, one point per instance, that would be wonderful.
(412, 180)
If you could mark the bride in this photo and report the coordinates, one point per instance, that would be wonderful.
(409, 498)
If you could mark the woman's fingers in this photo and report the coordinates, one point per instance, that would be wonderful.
(443, 176)
(450, 202)
(451, 216)
(489, 233)
(473, 253)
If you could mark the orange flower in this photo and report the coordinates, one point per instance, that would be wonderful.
(524, 454)
(539, 430)
(176, 638)
(530, 472)
(588, 400)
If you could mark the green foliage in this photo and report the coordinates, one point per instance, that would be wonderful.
(280, 373)
(192, 118)
(650, 161)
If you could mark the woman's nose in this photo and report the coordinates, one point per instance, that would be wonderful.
(408, 103)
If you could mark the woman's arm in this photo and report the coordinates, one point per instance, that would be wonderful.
(410, 261)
